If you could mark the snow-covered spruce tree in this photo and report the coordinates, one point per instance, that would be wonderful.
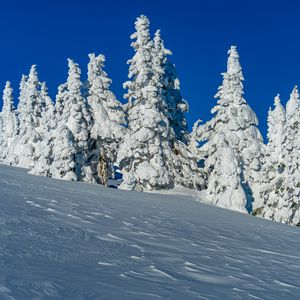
(276, 134)
(283, 203)
(235, 120)
(273, 167)
(175, 104)
(16, 148)
(147, 96)
(63, 165)
(9, 128)
(60, 103)
(144, 156)
(99, 87)
(30, 115)
(224, 187)
(272, 176)
(2, 142)
(48, 113)
(73, 113)
(107, 120)
(184, 163)
(44, 149)
(22, 95)
(292, 161)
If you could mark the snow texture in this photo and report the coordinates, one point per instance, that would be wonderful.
(66, 240)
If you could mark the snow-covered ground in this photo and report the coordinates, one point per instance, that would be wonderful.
(66, 240)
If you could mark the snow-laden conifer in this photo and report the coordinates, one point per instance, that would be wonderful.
(282, 204)
(145, 153)
(273, 175)
(64, 159)
(48, 113)
(176, 106)
(22, 95)
(44, 149)
(224, 186)
(60, 103)
(73, 112)
(236, 121)
(9, 128)
(183, 163)
(99, 89)
(107, 119)
(30, 115)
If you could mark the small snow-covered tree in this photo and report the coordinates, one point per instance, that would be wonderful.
(22, 96)
(282, 204)
(60, 103)
(224, 187)
(72, 111)
(44, 149)
(274, 165)
(236, 121)
(99, 89)
(107, 130)
(2, 142)
(48, 113)
(276, 134)
(10, 126)
(64, 155)
(30, 114)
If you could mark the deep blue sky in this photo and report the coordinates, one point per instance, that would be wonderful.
(198, 32)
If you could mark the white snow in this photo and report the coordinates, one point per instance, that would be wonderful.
(66, 240)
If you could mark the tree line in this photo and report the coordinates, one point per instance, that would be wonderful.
(86, 133)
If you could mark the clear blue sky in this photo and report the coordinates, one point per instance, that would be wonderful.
(198, 32)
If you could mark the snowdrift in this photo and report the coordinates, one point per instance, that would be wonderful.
(66, 240)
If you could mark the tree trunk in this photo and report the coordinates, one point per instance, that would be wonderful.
(102, 168)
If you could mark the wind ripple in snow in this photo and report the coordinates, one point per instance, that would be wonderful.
(65, 240)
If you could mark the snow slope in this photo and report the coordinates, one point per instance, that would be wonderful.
(66, 240)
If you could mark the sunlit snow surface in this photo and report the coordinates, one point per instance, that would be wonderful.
(66, 240)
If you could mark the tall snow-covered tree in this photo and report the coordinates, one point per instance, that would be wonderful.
(184, 163)
(236, 121)
(154, 153)
(10, 126)
(108, 118)
(176, 106)
(145, 153)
